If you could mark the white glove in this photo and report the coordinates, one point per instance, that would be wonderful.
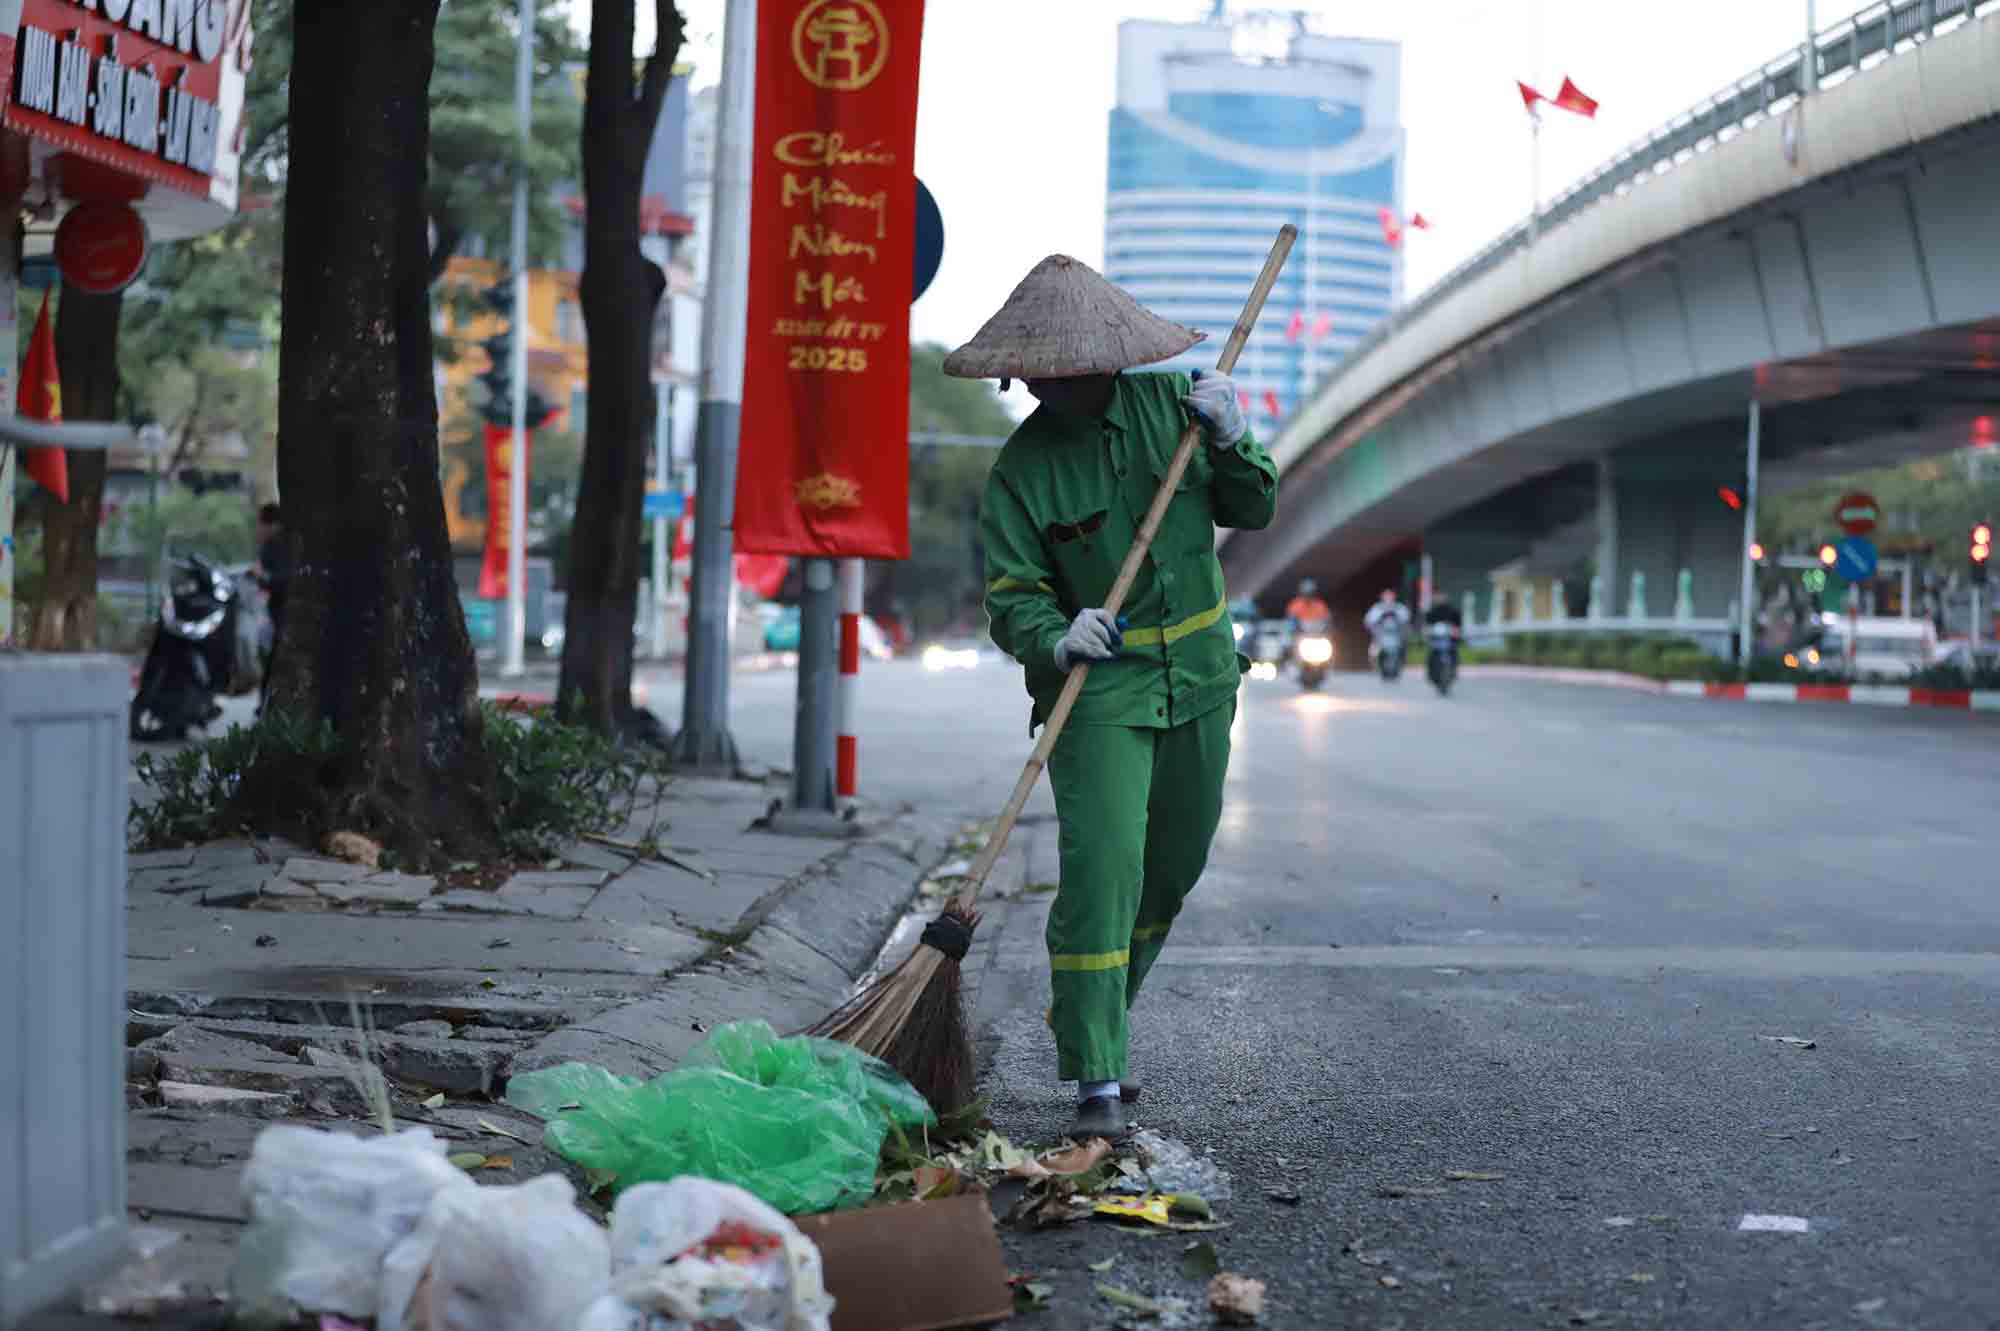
(1214, 400)
(1093, 636)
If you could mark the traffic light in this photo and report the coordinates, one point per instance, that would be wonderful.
(497, 380)
(1982, 550)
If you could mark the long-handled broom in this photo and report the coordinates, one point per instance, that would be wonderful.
(914, 1017)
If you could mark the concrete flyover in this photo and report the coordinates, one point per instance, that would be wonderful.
(1580, 389)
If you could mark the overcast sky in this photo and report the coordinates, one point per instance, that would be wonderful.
(1015, 98)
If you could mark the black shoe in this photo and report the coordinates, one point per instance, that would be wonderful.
(1099, 1116)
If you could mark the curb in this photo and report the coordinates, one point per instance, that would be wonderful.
(521, 700)
(1614, 679)
(801, 952)
(1869, 695)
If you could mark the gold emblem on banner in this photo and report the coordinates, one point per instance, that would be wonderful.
(840, 44)
(827, 490)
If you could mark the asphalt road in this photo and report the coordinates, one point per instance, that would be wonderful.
(1539, 932)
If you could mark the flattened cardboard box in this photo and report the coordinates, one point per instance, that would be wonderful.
(916, 1266)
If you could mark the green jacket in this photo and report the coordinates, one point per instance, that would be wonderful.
(1063, 505)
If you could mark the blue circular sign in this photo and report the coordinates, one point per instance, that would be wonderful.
(929, 241)
(1856, 558)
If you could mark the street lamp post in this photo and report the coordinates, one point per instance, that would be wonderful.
(513, 661)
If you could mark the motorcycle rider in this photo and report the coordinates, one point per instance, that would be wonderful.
(1307, 608)
(1386, 609)
(1443, 612)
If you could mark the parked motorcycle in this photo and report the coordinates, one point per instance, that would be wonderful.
(192, 655)
(1442, 665)
(1389, 648)
(1314, 650)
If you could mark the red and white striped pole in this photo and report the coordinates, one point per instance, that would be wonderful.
(850, 678)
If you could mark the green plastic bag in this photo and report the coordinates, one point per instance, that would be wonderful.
(795, 1120)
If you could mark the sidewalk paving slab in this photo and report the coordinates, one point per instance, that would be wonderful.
(609, 957)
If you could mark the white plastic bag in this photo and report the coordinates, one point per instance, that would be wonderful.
(324, 1209)
(694, 1252)
(497, 1259)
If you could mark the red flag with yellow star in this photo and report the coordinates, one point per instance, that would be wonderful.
(40, 399)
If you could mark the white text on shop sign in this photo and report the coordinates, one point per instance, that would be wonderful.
(124, 102)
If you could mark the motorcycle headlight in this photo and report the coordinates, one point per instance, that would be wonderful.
(1238, 626)
(1315, 651)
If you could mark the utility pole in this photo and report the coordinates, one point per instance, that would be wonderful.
(1809, 54)
(704, 741)
(512, 662)
(1747, 604)
(663, 449)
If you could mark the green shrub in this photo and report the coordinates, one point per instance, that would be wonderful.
(551, 782)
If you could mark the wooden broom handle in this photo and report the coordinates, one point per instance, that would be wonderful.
(1128, 573)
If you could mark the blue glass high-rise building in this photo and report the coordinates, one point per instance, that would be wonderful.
(1223, 131)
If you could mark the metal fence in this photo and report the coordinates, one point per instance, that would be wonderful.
(1842, 51)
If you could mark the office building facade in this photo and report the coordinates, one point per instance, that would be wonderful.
(1223, 130)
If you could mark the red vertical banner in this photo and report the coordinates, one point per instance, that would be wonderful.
(499, 502)
(824, 461)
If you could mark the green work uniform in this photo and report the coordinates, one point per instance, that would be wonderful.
(1138, 770)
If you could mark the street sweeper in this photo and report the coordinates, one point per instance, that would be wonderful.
(1138, 768)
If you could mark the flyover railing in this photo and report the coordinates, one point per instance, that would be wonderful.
(1839, 52)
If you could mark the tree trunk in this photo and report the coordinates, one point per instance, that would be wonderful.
(65, 618)
(619, 289)
(374, 639)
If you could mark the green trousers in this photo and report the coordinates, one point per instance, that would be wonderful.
(1137, 809)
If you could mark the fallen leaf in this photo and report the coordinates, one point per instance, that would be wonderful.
(488, 984)
(597, 1180)
(1032, 1294)
(498, 1162)
(467, 1160)
(499, 943)
(1871, 1305)
(1388, 1282)
(1841, 1158)
(1236, 1300)
(1584, 1316)
(435, 1102)
(1284, 1197)
(267, 940)
(1192, 1204)
(1906, 1137)
(354, 848)
(1101, 1267)
(1620, 1221)
(1472, 1176)
(1795, 1041)
(1198, 1260)
(933, 1181)
(1642, 1277)
(1125, 1298)
(1078, 1159)
(627, 947)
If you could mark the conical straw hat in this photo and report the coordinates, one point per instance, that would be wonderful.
(1065, 320)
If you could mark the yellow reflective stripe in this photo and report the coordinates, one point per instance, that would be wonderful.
(1173, 633)
(1089, 961)
(1146, 933)
(1016, 584)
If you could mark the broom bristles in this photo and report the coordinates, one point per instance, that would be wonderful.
(913, 1019)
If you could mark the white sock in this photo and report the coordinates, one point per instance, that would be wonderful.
(1091, 1090)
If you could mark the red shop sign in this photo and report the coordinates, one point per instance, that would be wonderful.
(824, 466)
(100, 247)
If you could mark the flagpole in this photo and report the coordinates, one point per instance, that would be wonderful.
(1534, 176)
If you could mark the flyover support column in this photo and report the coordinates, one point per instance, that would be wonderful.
(1607, 539)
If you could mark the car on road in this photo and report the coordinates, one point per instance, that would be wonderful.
(1891, 648)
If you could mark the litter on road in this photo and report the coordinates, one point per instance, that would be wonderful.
(1773, 1224)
